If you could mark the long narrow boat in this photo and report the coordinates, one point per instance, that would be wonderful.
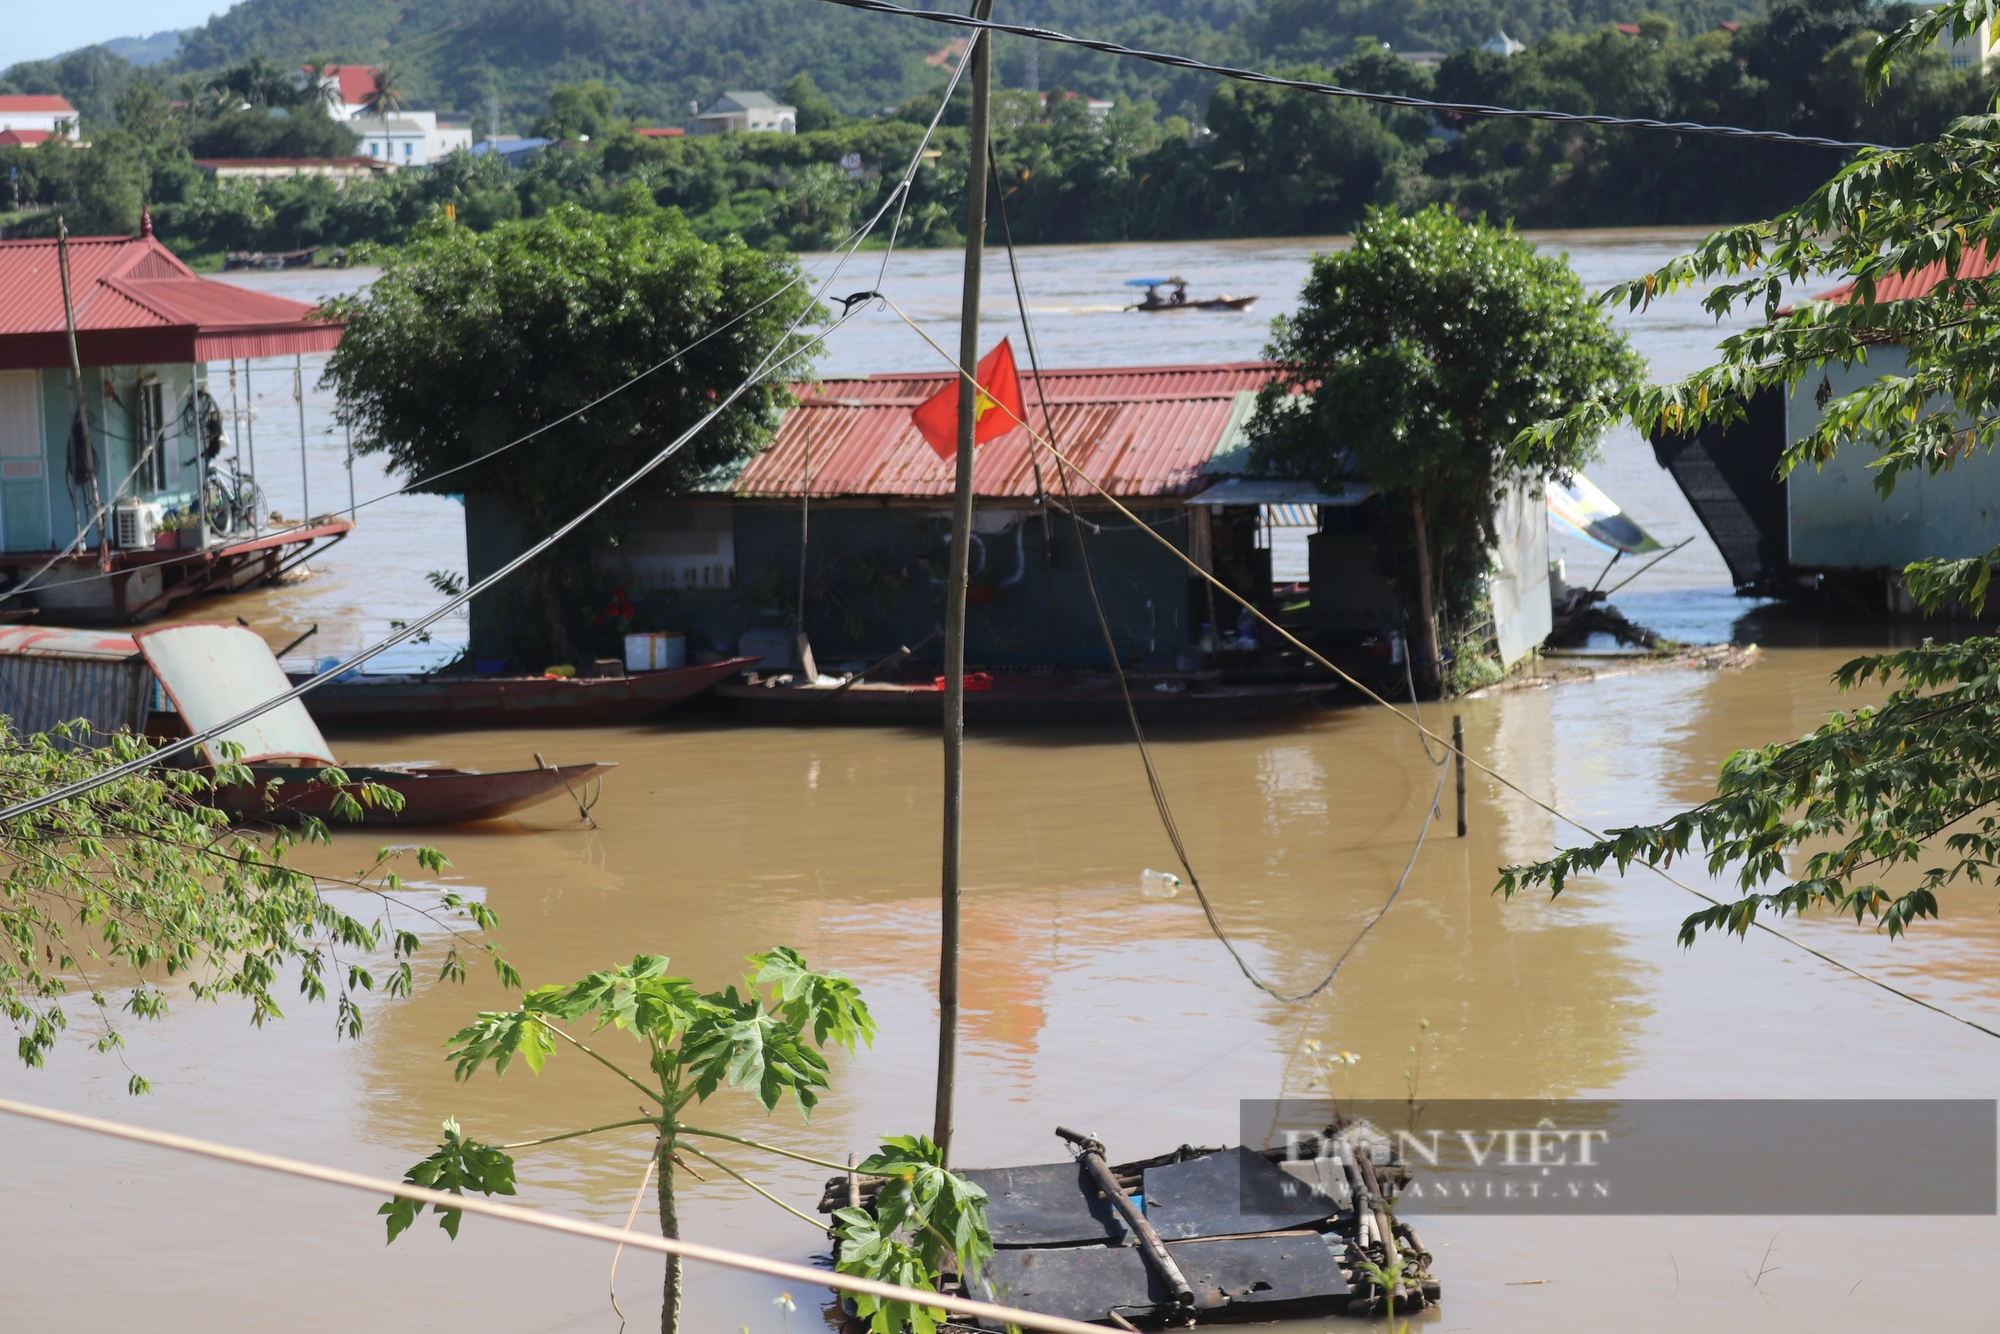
(1078, 699)
(431, 794)
(440, 701)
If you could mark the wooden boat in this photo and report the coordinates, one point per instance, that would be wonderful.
(1178, 298)
(432, 794)
(1240, 1235)
(1078, 698)
(440, 701)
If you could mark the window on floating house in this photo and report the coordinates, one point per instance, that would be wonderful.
(153, 432)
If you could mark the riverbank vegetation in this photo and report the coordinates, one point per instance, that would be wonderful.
(1165, 162)
(1417, 358)
(766, 1039)
(471, 340)
(113, 901)
(1881, 811)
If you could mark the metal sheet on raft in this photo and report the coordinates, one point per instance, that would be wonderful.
(1269, 1274)
(213, 671)
(37, 693)
(1050, 1204)
(1227, 1194)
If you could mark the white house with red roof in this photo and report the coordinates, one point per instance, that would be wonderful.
(34, 118)
(402, 137)
(149, 333)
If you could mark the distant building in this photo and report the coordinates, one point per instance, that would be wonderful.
(1098, 107)
(1972, 51)
(658, 131)
(1422, 59)
(275, 168)
(1500, 44)
(36, 118)
(514, 152)
(406, 137)
(740, 112)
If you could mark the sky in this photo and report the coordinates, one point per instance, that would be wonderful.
(38, 31)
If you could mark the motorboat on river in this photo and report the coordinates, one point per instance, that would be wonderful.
(1177, 299)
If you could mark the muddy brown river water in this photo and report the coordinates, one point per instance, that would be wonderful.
(1086, 1003)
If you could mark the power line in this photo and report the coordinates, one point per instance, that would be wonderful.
(1335, 90)
(1067, 466)
(771, 361)
(551, 1222)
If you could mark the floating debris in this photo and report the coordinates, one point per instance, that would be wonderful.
(1208, 1233)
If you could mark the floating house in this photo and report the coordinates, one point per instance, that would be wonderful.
(1825, 533)
(848, 498)
(136, 512)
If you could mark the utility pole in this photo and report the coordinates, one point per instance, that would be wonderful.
(981, 55)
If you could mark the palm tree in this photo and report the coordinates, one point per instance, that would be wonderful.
(322, 90)
(387, 94)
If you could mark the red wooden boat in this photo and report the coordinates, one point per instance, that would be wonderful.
(1021, 699)
(431, 794)
(429, 702)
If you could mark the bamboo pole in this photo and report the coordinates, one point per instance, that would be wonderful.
(1458, 759)
(961, 556)
(299, 397)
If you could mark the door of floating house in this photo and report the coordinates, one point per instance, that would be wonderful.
(24, 494)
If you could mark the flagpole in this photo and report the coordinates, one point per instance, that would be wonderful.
(954, 605)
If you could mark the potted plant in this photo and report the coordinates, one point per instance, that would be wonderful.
(167, 537)
(191, 529)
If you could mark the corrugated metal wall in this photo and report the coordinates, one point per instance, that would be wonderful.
(37, 693)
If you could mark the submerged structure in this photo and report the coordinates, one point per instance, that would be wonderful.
(841, 523)
(138, 509)
(1825, 533)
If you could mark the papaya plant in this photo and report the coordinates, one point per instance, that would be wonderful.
(767, 1036)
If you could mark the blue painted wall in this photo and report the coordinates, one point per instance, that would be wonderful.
(1840, 521)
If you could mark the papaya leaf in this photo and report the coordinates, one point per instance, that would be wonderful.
(457, 1165)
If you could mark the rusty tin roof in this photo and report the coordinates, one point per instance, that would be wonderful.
(1142, 432)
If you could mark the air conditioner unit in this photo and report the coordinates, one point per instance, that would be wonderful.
(136, 523)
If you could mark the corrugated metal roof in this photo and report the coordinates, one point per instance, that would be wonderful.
(39, 692)
(135, 303)
(1140, 432)
(48, 641)
(1974, 263)
(213, 671)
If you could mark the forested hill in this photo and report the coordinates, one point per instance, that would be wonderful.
(472, 55)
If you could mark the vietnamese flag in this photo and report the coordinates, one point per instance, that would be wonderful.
(999, 408)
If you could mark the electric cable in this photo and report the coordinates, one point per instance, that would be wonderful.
(1373, 697)
(1335, 90)
(989, 1313)
(1153, 784)
(770, 362)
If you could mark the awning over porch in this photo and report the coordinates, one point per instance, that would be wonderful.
(136, 304)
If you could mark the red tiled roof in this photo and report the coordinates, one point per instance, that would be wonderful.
(658, 132)
(1146, 431)
(19, 137)
(354, 161)
(1629, 29)
(1974, 263)
(35, 102)
(356, 82)
(137, 304)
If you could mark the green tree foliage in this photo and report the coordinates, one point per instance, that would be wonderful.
(766, 1037)
(468, 341)
(1896, 802)
(112, 901)
(1798, 71)
(1414, 362)
(584, 111)
(816, 110)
